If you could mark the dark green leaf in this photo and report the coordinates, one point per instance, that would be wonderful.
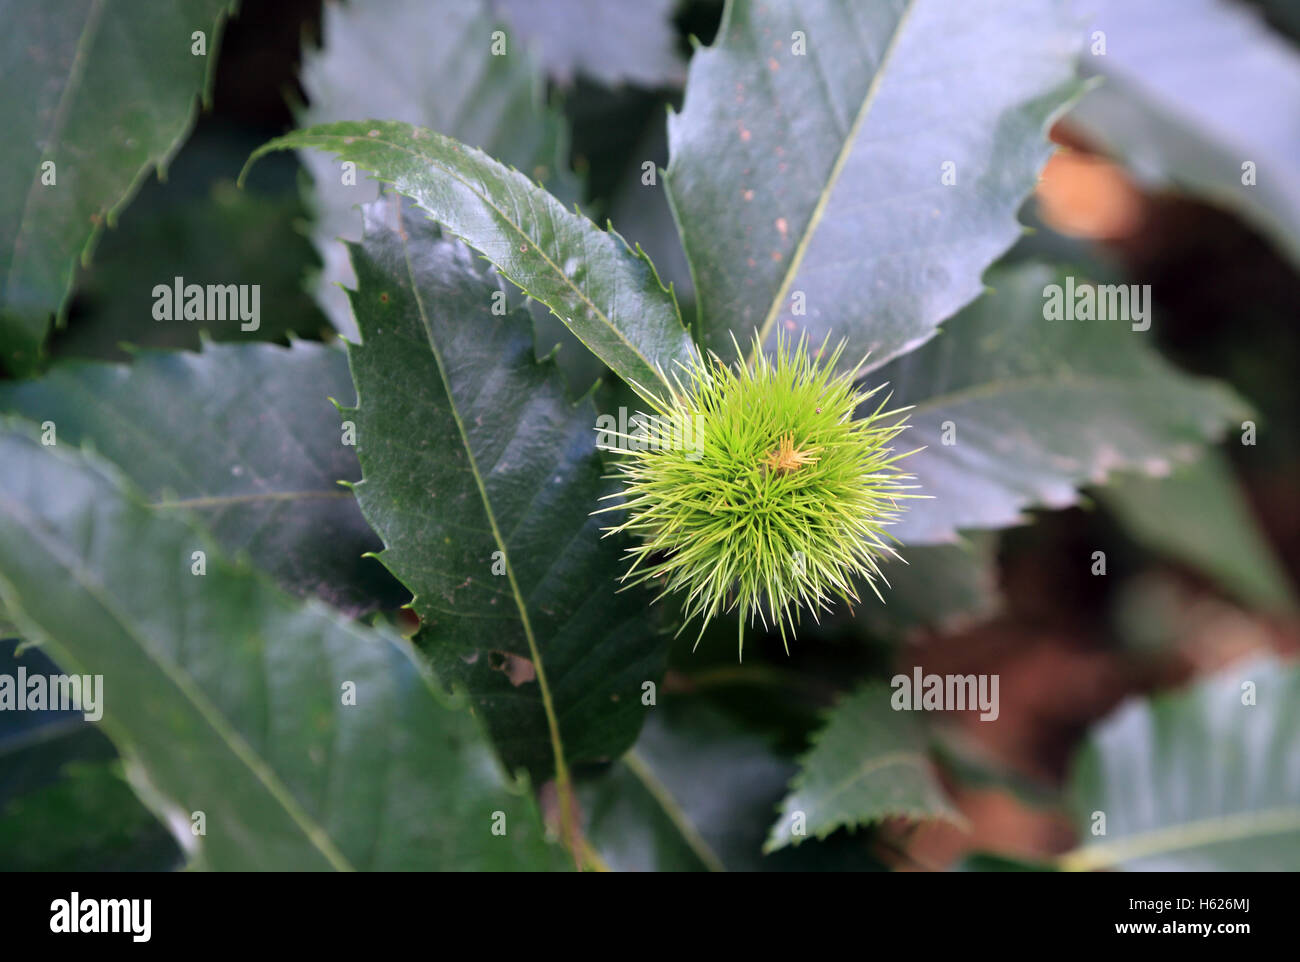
(868, 763)
(809, 186)
(227, 697)
(1198, 780)
(1038, 407)
(222, 236)
(104, 91)
(481, 476)
(429, 63)
(607, 293)
(88, 821)
(242, 436)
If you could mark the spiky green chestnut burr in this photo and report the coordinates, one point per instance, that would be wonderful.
(754, 487)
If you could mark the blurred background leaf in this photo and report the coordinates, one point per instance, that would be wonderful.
(229, 698)
(64, 803)
(939, 587)
(1038, 407)
(80, 94)
(202, 228)
(1198, 517)
(1193, 90)
(627, 41)
(242, 437)
(1197, 780)
(988, 862)
(1282, 14)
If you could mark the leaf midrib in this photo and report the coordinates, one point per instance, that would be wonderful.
(131, 425)
(226, 732)
(868, 766)
(841, 158)
(1185, 836)
(552, 719)
(222, 500)
(84, 41)
(519, 230)
(668, 803)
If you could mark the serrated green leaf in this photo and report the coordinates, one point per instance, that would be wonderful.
(227, 697)
(607, 293)
(868, 763)
(1038, 408)
(216, 235)
(104, 91)
(430, 63)
(698, 793)
(1199, 516)
(610, 43)
(241, 436)
(1194, 90)
(1196, 780)
(480, 476)
(809, 187)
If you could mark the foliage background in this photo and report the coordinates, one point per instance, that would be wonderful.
(1202, 566)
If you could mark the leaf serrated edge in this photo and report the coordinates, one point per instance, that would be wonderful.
(323, 138)
(83, 457)
(918, 757)
(158, 162)
(563, 783)
(517, 784)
